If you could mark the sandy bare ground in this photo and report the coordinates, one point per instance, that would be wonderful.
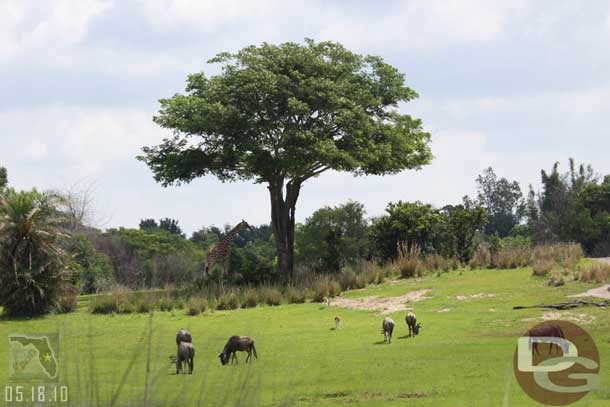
(479, 295)
(384, 305)
(599, 292)
(563, 316)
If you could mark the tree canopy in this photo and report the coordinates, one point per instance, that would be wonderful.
(281, 114)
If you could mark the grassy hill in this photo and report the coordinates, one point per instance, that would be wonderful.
(463, 356)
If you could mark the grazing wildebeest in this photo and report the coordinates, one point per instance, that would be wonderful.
(387, 327)
(414, 327)
(550, 330)
(186, 355)
(237, 343)
(337, 322)
(183, 336)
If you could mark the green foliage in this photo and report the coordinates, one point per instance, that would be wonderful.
(228, 302)
(406, 226)
(503, 200)
(253, 263)
(32, 262)
(92, 269)
(333, 238)
(464, 223)
(3, 179)
(283, 114)
(574, 206)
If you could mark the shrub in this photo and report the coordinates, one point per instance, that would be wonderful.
(319, 290)
(271, 296)
(103, 304)
(196, 306)
(228, 302)
(594, 273)
(67, 300)
(144, 306)
(542, 267)
(250, 299)
(410, 267)
(481, 258)
(165, 304)
(294, 295)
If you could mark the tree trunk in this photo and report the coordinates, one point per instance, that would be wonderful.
(283, 222)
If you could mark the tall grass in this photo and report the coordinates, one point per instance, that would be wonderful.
(594, 273)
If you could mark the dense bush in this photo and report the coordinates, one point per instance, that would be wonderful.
(270, 296)
(333, 238)
(228, 302)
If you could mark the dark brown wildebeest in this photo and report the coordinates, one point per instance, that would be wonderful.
(235, 344)
(414, 327)
(186, 355)
(549, 330)
(183, 336)
(387, 327)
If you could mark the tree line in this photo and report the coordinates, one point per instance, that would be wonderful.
(42, 242)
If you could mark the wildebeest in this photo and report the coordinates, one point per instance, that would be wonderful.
(414, 327)
(186, 355)
(183, 336)
(237, 343)
(549, 330)
(387, 327)
(337, 322)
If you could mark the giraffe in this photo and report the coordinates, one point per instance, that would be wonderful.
(219, 253)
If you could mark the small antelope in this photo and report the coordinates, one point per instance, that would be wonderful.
(337, 322)
(326, 300)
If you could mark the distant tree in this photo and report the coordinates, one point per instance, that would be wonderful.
(503, 200)
(170, 225)
(148, 224)
(93, 269)
(333, 237)
(206, 236)
(405, 226)
(281, 115)
(3, 178)
(465, 221)
(32, 262)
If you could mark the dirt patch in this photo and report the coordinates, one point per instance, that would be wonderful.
(472, 296)
(386, 305)
(584, 319)
(599, 292)
(444, 310)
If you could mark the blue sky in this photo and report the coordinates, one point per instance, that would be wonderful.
(517, 85)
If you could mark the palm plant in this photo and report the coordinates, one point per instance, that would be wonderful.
(32, 262)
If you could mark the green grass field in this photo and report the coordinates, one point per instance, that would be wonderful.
(463, 356)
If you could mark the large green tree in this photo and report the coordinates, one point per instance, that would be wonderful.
(283, 114)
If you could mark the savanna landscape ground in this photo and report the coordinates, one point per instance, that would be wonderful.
(463, 356)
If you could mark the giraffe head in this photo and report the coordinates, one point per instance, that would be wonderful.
(244, 224)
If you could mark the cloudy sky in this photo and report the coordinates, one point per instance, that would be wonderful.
(513, 84)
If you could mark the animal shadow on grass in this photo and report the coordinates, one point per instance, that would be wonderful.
(404, 337)
(379, 342)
